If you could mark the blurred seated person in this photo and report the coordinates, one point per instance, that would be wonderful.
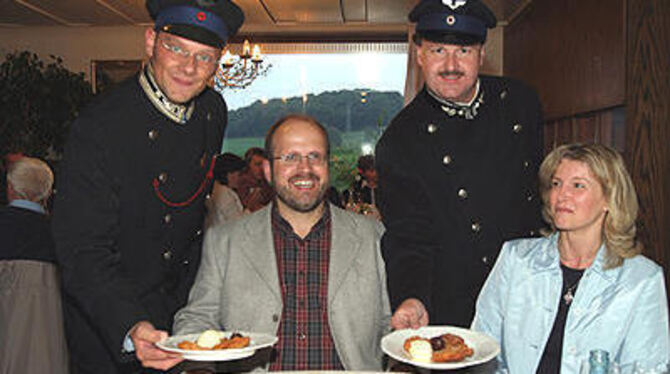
(301, 269)
(254, 190)
(550, 301)
(360, 197)
(31, 320)
(224, 204)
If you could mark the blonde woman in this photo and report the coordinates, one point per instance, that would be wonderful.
(585, 286)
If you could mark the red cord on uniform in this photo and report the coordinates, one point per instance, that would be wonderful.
(208, 176)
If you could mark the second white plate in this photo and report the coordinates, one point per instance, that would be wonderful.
(484, 347)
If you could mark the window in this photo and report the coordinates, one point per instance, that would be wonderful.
(353, 89)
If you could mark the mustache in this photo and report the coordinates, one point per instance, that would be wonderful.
(447, 73)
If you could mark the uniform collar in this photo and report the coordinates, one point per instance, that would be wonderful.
(179, 113)
(28, 205)
(455, 109)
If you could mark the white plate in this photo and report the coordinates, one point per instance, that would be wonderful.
(484, 347)
(258, 341)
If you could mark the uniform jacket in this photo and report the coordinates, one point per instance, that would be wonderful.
(452, 190)
(622, 310)
(237, 287)
(126, 255)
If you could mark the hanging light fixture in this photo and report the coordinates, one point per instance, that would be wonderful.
(239, 71)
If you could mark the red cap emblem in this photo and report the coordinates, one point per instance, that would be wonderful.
(201, 16)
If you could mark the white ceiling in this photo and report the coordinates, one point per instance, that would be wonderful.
(271, 19)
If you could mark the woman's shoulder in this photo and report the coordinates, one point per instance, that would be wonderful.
(640, 269)
(525, 247)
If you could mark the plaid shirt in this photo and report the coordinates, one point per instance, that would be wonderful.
(305, 341)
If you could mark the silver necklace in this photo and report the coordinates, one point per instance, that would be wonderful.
(569, 294)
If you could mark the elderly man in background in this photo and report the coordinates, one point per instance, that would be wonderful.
(31, 317)
(137, 168)
(300, 268)
(457, 169)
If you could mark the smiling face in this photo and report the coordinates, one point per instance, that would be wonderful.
(181, 66)
(449, 70)
(300, 185)
(576, 199)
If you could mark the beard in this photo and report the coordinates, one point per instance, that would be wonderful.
(301, 202)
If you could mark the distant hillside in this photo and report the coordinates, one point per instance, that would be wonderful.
(339, 111)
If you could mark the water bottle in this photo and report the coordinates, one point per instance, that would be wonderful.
(599, 362)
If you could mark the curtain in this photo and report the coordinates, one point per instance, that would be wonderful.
(414, 79)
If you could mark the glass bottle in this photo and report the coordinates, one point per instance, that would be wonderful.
(599, 362)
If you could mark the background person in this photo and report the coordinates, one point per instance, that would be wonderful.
(129, 213)
(224, 205)
(361, 196)
(457, 170)
(549, 301)
(300, 268)
(254, 190)
(365, 185)
(31, 316)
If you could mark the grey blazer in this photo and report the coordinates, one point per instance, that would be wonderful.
(237, 286)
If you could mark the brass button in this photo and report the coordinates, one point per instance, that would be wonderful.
(167, 255)
(517, 128)
(163, 177)
(185, 262)
(198, 233)
(485, 260)
(530, 197)
(526, 164)
(209, 116)
(476, 227)
(208, 196)
(432, 128)
(503, 94)
(446, 159)
(167, 218)
(153, 134)
(462, 193)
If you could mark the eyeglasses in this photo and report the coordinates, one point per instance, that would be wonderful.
(204, 58)
(313, 158)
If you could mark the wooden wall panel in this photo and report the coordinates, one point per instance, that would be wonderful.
(572, 51)
(605, 126)
(648, 120)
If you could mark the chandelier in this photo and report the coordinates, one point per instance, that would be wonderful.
(239, 71)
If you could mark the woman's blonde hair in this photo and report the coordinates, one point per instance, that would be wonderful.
(609, 170)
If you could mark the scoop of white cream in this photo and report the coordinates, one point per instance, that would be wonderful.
(209, 338)
(421, 351)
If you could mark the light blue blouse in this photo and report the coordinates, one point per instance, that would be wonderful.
(622, 310)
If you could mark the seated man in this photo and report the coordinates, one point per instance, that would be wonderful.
(31, 317)
(302, 269)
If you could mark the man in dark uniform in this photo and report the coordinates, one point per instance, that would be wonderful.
(136, 171)
(457, 170)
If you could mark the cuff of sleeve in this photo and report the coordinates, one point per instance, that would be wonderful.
(128, 345)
